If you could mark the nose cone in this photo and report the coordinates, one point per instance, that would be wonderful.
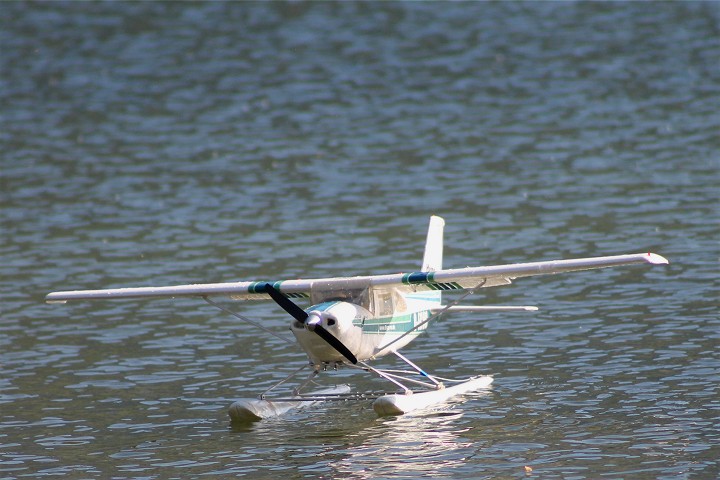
(335, 320)
(314, 319)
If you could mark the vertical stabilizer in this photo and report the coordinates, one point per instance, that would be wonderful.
(433, 258)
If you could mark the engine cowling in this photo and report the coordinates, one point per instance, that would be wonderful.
(338, 318)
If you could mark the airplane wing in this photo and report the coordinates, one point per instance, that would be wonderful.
(491, 276)
(445, 280)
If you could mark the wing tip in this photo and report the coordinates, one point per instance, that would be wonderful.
(655, 259)
(55, 302)
(54, 297)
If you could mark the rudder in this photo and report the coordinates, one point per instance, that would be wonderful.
(433, 257)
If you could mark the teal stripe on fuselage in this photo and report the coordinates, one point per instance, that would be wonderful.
(434, 297)
(323, 306)
(395, 324)
(380, 325)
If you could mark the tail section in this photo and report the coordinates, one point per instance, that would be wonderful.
(434, 245)
(433, 257)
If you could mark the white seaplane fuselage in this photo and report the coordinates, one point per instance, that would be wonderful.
(369, 331)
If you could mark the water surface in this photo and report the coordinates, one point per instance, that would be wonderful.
(165, 143)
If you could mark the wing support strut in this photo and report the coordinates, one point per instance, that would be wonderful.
(436, 315)
(245, 319)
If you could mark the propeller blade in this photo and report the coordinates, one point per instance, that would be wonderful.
(301, 316)
(335, 343)
(286, 304)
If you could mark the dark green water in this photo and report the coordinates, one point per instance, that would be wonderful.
(164, 143)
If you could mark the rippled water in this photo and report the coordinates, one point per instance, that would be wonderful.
(162, 143)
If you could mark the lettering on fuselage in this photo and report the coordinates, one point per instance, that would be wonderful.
(397, 324)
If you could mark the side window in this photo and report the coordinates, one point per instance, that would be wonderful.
(384, 303)
(400, 304)
(357, 296)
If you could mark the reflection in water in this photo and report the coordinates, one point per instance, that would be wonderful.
(347, 440)
(427, 445)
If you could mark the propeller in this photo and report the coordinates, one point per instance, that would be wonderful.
(312, 324)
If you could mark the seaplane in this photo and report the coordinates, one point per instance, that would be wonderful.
(353, 321)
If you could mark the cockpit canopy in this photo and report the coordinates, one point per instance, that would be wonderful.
(380, 302)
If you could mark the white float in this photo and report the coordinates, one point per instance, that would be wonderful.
(398, 404)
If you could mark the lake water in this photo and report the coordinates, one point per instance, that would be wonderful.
(165, 143)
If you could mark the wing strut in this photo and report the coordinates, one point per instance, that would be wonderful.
(437, 314)
(251, 322)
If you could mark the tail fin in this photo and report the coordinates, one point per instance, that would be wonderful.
(434, 245)
(432, 260)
